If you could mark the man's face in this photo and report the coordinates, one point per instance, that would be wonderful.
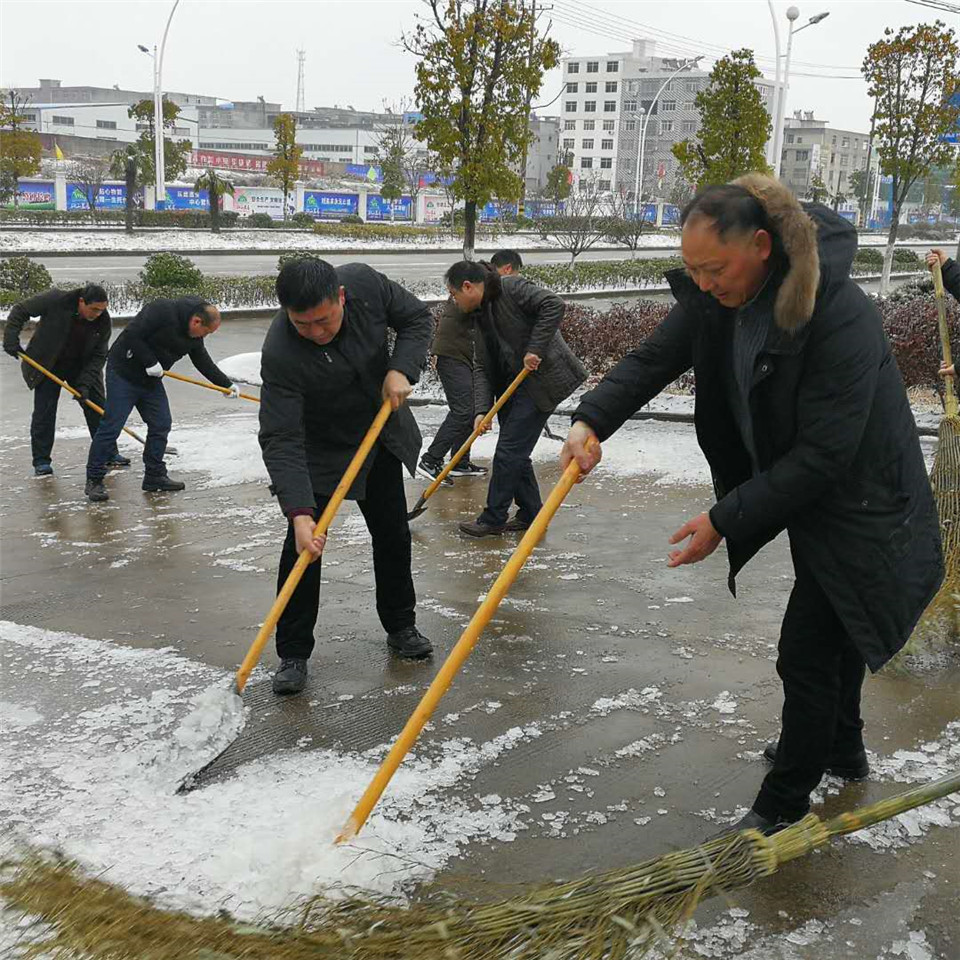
(320, 324)
(200, 329)
(469, 297)
(731, 269)
(90, 311)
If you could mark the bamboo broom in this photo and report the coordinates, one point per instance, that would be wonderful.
(613, 915)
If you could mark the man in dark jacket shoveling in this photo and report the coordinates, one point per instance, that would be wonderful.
(71, 341)
(162, 333)
(803, 418)
(518, 325)
(326, 370)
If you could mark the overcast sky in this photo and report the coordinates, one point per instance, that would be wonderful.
(353, 57)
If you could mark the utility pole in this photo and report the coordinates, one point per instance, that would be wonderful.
(526, 128)
(301, 86)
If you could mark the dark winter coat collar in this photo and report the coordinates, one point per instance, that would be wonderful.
(492, 287)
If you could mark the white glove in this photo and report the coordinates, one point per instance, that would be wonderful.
(234, 393)
(155, 371)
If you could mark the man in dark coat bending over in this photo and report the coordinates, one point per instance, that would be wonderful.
(804, 420)
(326, 369)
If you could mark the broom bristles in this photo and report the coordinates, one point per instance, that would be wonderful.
(599, 916)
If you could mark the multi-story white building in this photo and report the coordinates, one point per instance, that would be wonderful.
(603, 108)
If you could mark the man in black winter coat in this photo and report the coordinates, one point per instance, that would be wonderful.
(326, 368)
(518, 326)
(162, 333)
(803, 417)
(951, 283)
(71, 341)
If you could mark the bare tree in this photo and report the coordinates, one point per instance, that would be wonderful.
(403, 160)
(584, 224)
(89, 173)
(625, 226)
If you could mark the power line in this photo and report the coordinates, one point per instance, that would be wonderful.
(937, 5)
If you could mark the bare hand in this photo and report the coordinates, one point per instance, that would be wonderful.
(478, 423)
(934, 257)
(396, 389)
(704, 539)
(531, 361)
(303, 526)
(946, 370)
(583, 446)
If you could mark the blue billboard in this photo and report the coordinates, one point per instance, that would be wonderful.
(330, 206)
(671, 215)
(366, 171)
(186, 198)
(495, 211)
(542, 208)
(34, 195)
(380, 209)
(110, 196)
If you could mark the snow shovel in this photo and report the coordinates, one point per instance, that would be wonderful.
(209, 386)
(76, 393)
(293, 578)
(458, 655)
(421, 504)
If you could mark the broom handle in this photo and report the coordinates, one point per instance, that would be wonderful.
(950, 406)
(488, 418)
(886, 809)
(303, 561)
(459, 654)
(209, 386)
(76, 393)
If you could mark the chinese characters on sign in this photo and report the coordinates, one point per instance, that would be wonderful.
(330, 206)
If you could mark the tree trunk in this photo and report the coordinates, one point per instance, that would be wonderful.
(469, 228)
(888, 253)
(214, 211)
(130, 178)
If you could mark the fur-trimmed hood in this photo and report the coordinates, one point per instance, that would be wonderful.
(818, 244)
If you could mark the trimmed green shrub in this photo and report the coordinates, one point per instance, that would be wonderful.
(352, 218)
(296, 255)
(301, 220)
(170, 270)
(260, 221)
(22, 277)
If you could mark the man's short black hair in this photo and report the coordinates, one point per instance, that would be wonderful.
(462, 271)
(208, 317)
(92, 293)
(732, 208)
(305, 283)
(504, 258)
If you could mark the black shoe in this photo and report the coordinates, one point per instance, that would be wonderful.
(516, 525)
(854, 767)
(753, 821)
(43, 470)
(474, 528)
(162, 485)
(430, 470)
(468, 470)
(410, 644)
(95, 491)
(118, 462)
(291, 676)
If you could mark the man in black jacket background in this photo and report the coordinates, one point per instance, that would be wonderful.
(518, 325)
(803, 417)
(162, 333)
(71, 341)
(326, 369)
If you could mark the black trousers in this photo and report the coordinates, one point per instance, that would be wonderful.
(512, 479)
(822, 673)
(43, 423)
(457, 379)
(384, 509)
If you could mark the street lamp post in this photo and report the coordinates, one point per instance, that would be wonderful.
(160, 190)
(636, 183)
(793, 14)
(638, 186)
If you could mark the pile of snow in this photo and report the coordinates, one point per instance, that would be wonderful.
(93, 773)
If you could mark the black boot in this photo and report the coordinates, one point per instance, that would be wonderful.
(95, 491)
(477, 528)
(162, 485)
(291, 676)
(118, 462)
(854, 767)
(410, 644)
(43, 469)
